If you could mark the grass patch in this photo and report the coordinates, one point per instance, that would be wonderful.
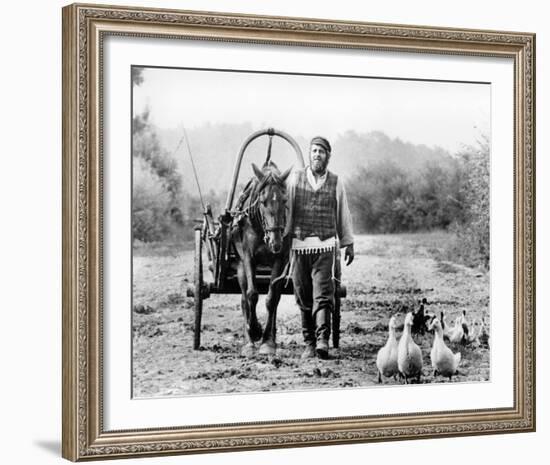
(160, 249)
(443, 246)
(446, 267)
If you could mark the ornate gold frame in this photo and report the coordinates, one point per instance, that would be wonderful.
(84, 27)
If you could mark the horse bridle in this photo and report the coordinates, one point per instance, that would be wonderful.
(273, 229)
(276, 227)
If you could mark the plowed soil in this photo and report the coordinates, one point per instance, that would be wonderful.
(388, 271)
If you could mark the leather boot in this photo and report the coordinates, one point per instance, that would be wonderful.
(308, 331)
(309, 351)
(322, 332)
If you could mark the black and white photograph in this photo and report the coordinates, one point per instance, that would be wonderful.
(279, 232)
(295, 232)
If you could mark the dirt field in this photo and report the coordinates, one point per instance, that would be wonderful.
(389, 270)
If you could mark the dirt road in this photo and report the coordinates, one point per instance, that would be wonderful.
(389, 270)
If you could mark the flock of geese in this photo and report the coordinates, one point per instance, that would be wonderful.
(403, 358)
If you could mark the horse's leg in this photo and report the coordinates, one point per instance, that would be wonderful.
(269, 344)
(254, 327)
(248, 348)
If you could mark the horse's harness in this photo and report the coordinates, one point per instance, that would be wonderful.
(252, 210)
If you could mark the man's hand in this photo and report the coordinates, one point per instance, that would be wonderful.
(349, 254)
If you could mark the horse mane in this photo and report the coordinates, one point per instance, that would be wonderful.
(271, 176)
(254, 186)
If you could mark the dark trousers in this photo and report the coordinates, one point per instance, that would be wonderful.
(314, 292)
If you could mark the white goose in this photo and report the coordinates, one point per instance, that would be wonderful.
(409, 355)
(444, 362)
(482, 337)
(386, 360)
(456, 333)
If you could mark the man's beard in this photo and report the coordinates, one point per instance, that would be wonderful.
(318, 166)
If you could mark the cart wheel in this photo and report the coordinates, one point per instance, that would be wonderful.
(198, 288)
(336, 319)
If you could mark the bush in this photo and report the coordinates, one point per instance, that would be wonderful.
(452, 194)
(150, 200)
(473, 232)
(387, 199)
(157, 197)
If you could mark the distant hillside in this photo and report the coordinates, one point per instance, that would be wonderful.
(392, 185)
(215, 148)
(352, 150)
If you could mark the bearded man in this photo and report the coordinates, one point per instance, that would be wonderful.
(319, 222)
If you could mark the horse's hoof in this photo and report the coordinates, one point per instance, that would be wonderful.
(268, 348)
(248, 349)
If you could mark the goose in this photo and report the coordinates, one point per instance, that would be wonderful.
(483, 334)
(478, 336)
(456, 333)
(386, 359)
(442, 320)
(444, 361)
(476, 331)
(465, 325)
(409, 355)
(444, 326)
(429, 318)
(420, 318)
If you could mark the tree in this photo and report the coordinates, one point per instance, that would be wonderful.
(137, 75)
(474, 230)
(150, 199)
(388, 198)
(157, 195)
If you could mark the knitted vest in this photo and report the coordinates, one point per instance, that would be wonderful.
(315, 211)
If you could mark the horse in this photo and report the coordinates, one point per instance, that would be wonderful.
(258, 238)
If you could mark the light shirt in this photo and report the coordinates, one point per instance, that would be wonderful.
(343, 217)
(316, 184)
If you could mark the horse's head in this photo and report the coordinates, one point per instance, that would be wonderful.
(272, 203)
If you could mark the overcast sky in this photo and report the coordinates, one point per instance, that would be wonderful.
(446, 114)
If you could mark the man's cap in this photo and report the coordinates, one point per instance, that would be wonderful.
(322, 142)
